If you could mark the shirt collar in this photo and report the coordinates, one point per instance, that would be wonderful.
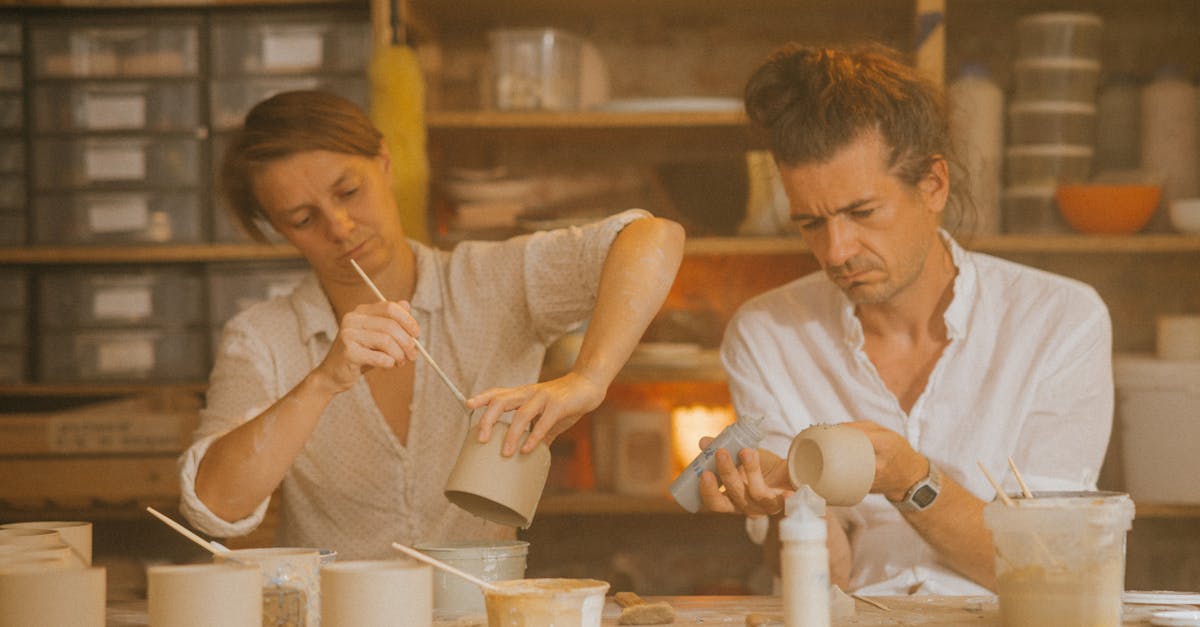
(956, 315)
(315, 313)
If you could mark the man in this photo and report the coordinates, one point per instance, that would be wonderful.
(945, 358)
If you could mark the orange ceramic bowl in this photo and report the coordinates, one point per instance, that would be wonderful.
(1107, 209)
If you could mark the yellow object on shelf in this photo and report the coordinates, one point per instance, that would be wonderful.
(398, 109)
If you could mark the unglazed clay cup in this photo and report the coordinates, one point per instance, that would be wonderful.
(30, 537)
(504, 490)
(489, 560)
(33, 596)
(53, 555)
(76, 534)
(205, 595)
(837, 461)
(384, 593)
(546, 603)
(291, 583)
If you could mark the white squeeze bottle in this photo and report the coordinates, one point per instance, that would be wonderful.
(976, 105)
(804, 561)
(744, 433)
(1169, 134)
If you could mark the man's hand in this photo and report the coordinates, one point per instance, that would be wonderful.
(758, 487)
(897, 465)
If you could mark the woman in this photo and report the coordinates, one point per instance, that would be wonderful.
(322, 393)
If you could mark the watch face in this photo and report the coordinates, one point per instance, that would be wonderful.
(924, 496)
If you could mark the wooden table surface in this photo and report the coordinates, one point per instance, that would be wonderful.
(732, 610)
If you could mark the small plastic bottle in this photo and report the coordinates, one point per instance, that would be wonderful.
(745, 432)
(977, 130)
(804, 561)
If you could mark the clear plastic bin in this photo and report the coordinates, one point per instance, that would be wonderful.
(12, 156)
(233, 288)
(268, 45)
(117, 218)
(1052, 122)
(1047, 164)
(12, 193)
(1056, 79)
(1031, 210)
(12, 364)
(11, 77)
(1055, 34)
(533, 69)
(10, 38)
(13, 225)
(123, 355)
(13, 289)
(13, 328)
(12, 112)
(116, 161)
(134, 106)
(116, 50)
(72, 298)
(233, 98)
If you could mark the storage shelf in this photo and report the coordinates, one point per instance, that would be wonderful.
(156, 4)
(522, 120)
(1087, 244)
(161, 253)
(95, 389)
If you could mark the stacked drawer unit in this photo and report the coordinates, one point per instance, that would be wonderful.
(120, 324)
(1052, 116)
(14, 335)
(257, 56)
(117, 132)
(235, 287)
(13, 213)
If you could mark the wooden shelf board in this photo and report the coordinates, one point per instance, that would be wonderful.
(95, 389)
(517, 120)
(1084, 244)
(1166, 510)
(156, 4)
(166, 253)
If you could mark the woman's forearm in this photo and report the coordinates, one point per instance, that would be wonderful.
(637, 275)
(244, 466)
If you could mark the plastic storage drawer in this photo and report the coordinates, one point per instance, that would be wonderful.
(115, 50)
(133, 106)
(118, 161)
(123, 355)
(13, 328)
(14, 286)
(274, 46)
(10, 38)
(233, 98)
(13, 227)
(12, 364)
(12, 112)
(10, 74)
(117, 218)
(114, 298)
(12, 156)
(233, 288)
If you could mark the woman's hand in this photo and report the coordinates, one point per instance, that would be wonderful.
(550, 406)
(758, 487)
(376, 335)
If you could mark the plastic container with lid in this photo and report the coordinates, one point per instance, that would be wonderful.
(1047, 164)
(1156, 410)
(534, 69)
(1052, 122)
(1060, 34)
(1048, 78)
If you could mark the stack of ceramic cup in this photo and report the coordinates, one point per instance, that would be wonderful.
(1052, 116)
(47, 578)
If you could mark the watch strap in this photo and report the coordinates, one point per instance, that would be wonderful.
(923, 493)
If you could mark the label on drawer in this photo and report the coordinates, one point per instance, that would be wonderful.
(118, 214)
(114, 434)
(106, 111)
(292, 49)
(125, 356)
(115, 163)
(125, 303)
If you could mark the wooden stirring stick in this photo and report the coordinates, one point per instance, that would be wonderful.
(445, 379)
(187, 533)
(999, 491)
(1021, 482)
(436, 563)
